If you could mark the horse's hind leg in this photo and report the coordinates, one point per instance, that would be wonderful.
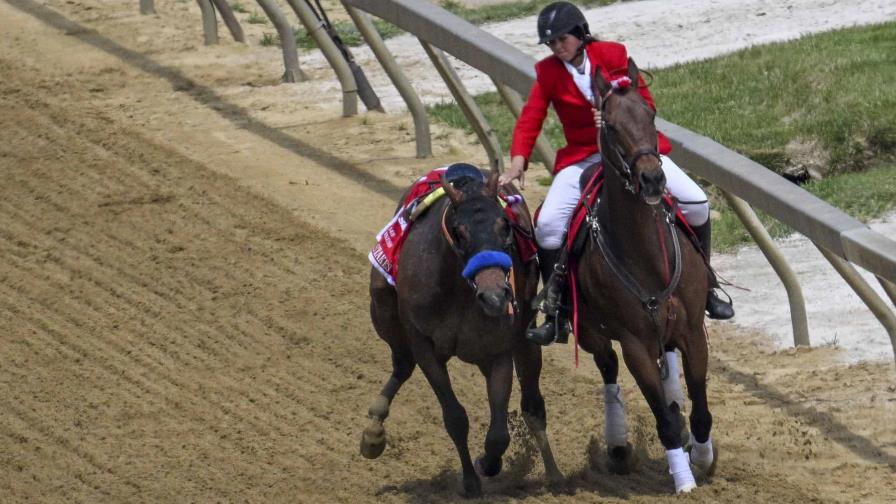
(641, 363)
(498, 378)
(696, 358)
(619, 450)
(527, 358)
(453, 413)
(384, 315)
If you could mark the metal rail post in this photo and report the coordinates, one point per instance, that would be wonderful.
(779, 264)
(230, 20)
(209, 22)
(331, 53)
(515, 103)
(474, 115)
(147, 7)
(858, 284)
(292, 71)
(889, 288)
(415, 106)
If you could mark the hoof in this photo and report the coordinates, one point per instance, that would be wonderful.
(472, 488)
(621, 459)
(686, 488)
(708, 472)
(373, 441)
(484, 472)
(556, 479)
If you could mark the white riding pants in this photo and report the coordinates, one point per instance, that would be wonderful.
(564, 193)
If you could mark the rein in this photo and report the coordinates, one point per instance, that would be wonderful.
(623, 168)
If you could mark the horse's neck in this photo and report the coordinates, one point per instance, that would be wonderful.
(633, 228)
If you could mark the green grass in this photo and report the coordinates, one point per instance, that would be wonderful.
(256, 18)
(348, 33)
(480, 15)
(832, 92)
(270, 39)
(238, 7)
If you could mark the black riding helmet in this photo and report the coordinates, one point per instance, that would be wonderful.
(560, 18)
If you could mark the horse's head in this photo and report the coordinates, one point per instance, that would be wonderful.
(628, 137)
(482, 237)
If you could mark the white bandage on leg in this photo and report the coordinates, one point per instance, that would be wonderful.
(615, 428)
(701, 453)
(680, 469)
(672, 383)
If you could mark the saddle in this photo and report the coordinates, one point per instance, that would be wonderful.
(591, 182)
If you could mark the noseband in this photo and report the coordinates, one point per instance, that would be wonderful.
(622, 166)
(484, 259)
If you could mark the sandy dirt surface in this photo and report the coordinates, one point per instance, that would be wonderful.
(184, 301)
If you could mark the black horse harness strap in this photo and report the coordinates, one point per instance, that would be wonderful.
(650, 303)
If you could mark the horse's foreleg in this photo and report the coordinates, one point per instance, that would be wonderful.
(527, 358)
(672, 388)
(641, 363)
(453, 413)
(615, 428)
(373, 440)
(672, 380)
(498, 378)
(695, 355)
(619, 450)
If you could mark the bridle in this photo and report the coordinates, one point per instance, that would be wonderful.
(508, 274)
(622, 166)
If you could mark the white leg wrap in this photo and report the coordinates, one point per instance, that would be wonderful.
(615, 429)
(672, 383)
(701, 453)
(680, 469)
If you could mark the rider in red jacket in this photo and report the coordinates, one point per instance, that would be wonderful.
(563, 81)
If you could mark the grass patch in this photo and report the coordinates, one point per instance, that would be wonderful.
(477, 16)
(831, 92)
(348, 33)
(270, 39)
(238, 7)
(256, 18)
(508, 10)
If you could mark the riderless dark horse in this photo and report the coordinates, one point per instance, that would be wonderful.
(639, 282)
(462, 291)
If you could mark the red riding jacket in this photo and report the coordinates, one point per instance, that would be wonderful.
(555, 86)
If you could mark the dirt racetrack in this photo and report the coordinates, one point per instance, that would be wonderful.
(183, 305)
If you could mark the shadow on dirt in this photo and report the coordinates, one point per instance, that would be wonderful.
(207, 97)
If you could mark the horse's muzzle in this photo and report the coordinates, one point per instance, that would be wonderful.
(494, 301)
(653, 184)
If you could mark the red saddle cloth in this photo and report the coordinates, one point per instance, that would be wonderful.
(385, 254)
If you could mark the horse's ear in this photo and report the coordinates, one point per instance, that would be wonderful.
(491, 186)
(599, 86)
(453, 194)
(633, 73)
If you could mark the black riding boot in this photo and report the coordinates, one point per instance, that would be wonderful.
(555, 327)
(716, 307)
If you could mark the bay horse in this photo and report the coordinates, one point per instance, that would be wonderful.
(638, 284)
(441, 307)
